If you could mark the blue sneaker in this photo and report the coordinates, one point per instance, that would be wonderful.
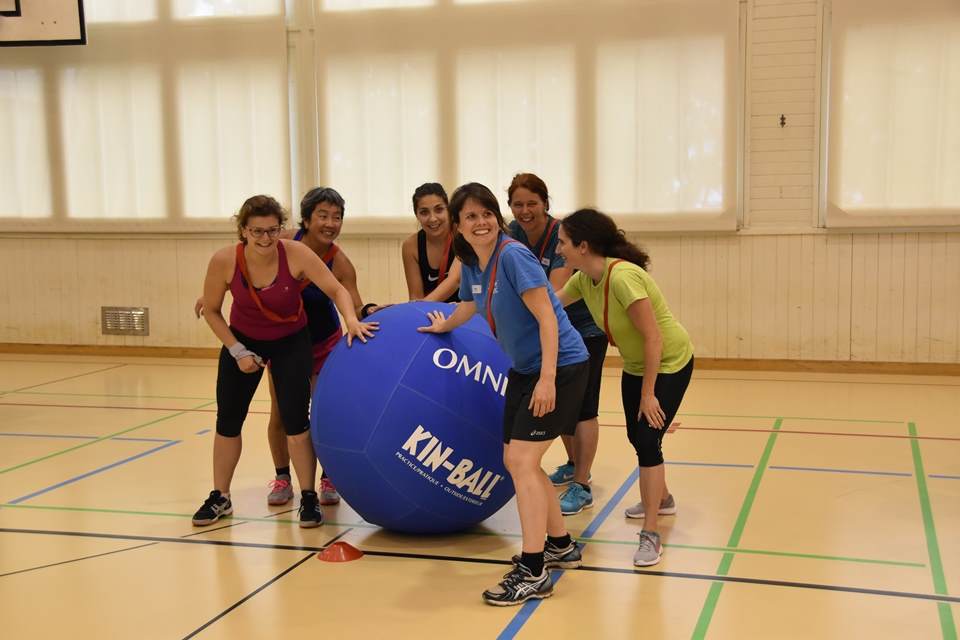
(563, 475)
(575, 499)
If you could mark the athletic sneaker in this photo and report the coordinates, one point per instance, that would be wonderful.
(310, 514)
(563, 475)
(668, 507)
(518, 586)
(328, 493)
(281, 491)
(556, 558)
(213, 508)
(575, 499)
(648, 553)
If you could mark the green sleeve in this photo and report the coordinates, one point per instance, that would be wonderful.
(627, 286)
(572, 287)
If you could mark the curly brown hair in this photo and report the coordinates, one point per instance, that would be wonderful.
(259, 206)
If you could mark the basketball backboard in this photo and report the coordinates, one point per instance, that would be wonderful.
(41, 23)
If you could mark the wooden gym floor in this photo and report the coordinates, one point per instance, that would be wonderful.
(810, 505)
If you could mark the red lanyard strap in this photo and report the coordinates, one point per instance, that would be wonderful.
(606, 302)
(445, 260)
(546, 238)
(242, 263)
(327, 258)
(495, 259)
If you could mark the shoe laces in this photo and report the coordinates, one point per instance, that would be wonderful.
(516, 575)
(214, 499)
(647, 541)
(278, 485)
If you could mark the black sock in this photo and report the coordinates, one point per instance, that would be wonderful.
(532, 561)
(283, 471)
(323, 475)
(560, 543)
(570, 462)
(586, 487)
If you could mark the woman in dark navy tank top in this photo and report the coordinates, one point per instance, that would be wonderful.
(265, 275)
(321, 220)
(432, 245)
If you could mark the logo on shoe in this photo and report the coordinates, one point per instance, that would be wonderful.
(428, 455)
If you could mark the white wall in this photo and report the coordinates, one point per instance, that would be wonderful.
(779, 288)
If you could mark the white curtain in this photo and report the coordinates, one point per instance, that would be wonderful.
(629, 105)
(894, 99)
(176, 109)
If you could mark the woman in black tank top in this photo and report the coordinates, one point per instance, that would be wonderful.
(432, 271)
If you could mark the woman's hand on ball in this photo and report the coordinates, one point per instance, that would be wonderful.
(544, 398)
(361, 331)
(437, 323)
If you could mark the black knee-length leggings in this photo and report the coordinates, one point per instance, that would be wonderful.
(291, 364)
(669, 389)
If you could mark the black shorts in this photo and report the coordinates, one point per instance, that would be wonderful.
(519, 422)
(597, 347)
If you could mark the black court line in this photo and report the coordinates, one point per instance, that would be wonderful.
(264, 586)
(57, 564)
(226, 526)
(778, 583)
(100, 555)
(79, 375)
(423, 556)
(249, 595)
(280, 513)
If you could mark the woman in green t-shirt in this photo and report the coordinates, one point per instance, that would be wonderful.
(657, 353)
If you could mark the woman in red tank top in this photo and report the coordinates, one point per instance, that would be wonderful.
(267, 323)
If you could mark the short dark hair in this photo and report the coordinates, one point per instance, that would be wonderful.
(429, 189)
(316, 196)
(483, 195)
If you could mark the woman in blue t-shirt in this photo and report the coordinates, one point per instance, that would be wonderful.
(537, 229)
(502, 281)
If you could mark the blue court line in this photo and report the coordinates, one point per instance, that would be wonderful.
(202, 431)
(902, 474)
(527, 609)
(943, 477)
(713, 464)
(92, 473)
(77, 437)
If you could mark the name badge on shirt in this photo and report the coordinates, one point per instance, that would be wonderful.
(545, 262)
(476, 288)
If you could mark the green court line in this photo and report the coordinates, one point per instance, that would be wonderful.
(100, 439)
(947, 625)
(781, 418)
(115, 395)
(367, 525)
(706, 614)
(168, 514)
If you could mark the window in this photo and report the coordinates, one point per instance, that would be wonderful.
(894, 137)
(629, 105)
(175, 112)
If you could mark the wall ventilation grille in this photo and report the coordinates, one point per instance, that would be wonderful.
(125, 321)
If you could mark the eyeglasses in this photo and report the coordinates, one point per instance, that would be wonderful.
(258, 232)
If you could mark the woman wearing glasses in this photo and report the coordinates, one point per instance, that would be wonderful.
(321, 220)
(264, 275)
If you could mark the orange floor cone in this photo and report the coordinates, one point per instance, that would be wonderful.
(340, 552)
